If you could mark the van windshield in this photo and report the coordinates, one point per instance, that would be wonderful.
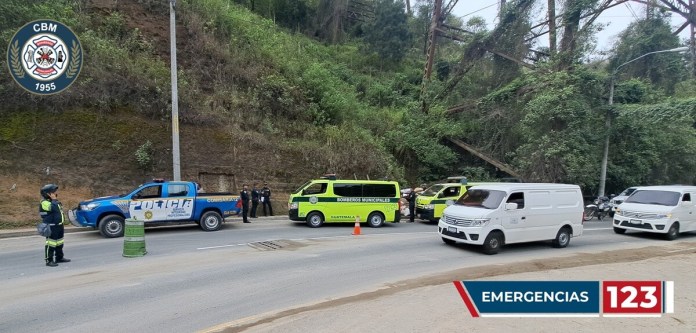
(489, 199)
(433, 190)
(651, 197)
(301, 187)
(627, 192)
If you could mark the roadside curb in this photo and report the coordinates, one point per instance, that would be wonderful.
(12, 233)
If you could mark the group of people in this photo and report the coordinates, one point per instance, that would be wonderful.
(255, 196)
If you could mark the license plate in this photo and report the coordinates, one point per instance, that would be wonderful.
(452, 229)
(636, 221)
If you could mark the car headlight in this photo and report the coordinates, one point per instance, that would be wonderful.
(479, 222)
(664, 216)
(428, 206)
(89, 206)
(294, 205)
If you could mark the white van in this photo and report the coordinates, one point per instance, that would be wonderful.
(493, 215)
(619, 199)
(667, 210)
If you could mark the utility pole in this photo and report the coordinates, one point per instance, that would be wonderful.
(607, 124)
(175, 98)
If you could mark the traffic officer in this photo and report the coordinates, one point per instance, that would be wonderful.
(51, 213)
(255, 198)
(266, 200)
(411, 205)
(244, 196)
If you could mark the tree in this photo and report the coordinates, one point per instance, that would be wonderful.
(645, 36)
(388, 33)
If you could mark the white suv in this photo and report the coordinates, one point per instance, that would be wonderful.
(667, 210)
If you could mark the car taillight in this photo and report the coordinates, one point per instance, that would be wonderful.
(583, 217)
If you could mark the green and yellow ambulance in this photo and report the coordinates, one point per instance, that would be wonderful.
(330, 200)
(431, 203)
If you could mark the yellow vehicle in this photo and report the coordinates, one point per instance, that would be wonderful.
(431, 203)
(330, 200)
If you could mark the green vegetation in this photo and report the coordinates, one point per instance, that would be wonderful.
(289, 90)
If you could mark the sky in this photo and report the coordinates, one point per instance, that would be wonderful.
(617, 18)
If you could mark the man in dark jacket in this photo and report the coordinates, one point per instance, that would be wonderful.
(411, 205)
(244, 195)
(51, 213)
(266, 200)
(255, 198)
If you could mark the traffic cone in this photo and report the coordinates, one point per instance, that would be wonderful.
(356, 228)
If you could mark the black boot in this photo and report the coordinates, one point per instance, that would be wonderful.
(51, 264)
(63, 260)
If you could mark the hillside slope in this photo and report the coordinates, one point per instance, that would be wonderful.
(243, 117)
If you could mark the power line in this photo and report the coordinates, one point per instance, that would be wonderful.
(478, 10)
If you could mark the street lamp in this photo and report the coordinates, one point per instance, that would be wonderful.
(605, 158)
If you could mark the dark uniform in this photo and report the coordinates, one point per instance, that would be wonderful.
(245, 204)
(411, 205)
(51, 213)
(255, 197)
(266, 200)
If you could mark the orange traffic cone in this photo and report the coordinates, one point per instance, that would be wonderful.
(356, 229)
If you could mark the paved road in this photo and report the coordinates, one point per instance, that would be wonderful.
(192, 280)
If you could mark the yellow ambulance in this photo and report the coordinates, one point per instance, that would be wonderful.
(434, 200)
(331, 200)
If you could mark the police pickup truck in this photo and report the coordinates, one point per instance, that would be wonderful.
(155, 202)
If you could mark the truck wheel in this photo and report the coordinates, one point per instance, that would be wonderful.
(111, 226)
(673, 231)
(375, 220)
(211, 221)
(562, 238)
(315, 220)
(493, 242)
(619, 231)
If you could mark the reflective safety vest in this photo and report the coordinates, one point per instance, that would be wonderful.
(51, 212)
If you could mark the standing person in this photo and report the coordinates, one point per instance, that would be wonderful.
(266, 200)
(411, 205)
(244, 195)
(255, 198)
(51, 213)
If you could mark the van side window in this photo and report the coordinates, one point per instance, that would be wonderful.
(316, 188)
(518, 198)
(347, 190)
(686, 197)
(379, 190)
(451, 191)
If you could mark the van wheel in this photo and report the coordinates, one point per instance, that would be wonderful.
(619, 231)
(493, 242)
(111, 226)
(448, 241)
(673, 231)
(315, 220)
(375, 220)
(562, 238)
(210, 221)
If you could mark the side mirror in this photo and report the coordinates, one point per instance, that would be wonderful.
(510, 206)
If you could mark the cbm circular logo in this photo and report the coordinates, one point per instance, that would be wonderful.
(44, 57)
